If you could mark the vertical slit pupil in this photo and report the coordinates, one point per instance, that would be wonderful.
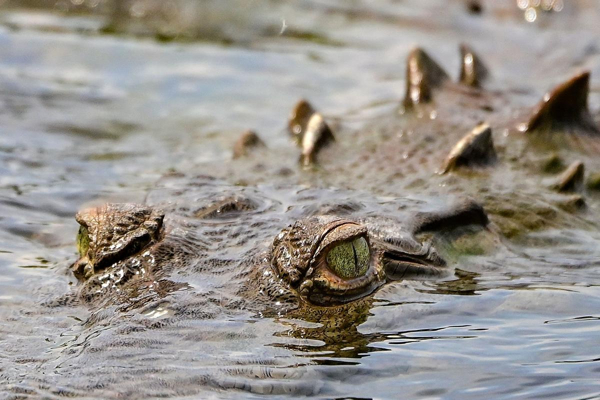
(349, 259)
(356, 267)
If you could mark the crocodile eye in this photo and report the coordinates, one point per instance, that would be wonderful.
(83, 241)
(349, 260)
(328, 261)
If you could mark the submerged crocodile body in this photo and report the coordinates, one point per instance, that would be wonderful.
(394, 190)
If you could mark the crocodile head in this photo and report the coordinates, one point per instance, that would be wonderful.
(323, 260)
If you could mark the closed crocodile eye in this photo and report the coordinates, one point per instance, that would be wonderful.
(349, 260)
(83, 241)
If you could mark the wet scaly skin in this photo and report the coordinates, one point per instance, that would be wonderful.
(319, 261)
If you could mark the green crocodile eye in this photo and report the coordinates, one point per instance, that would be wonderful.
(350, 259)
(83, 241)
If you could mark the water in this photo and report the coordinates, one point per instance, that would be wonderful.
(97, 107)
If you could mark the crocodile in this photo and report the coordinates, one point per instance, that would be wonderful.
(456, 148)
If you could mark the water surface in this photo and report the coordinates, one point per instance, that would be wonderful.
(98, 105)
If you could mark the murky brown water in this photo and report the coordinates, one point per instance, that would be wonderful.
(97, 107)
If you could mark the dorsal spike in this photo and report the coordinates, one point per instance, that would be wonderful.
(423, 75)
(472, 70)
(299, 119)
(246, 142)
(475, 149)
(571, 180)
(316, 136)
(564, 108)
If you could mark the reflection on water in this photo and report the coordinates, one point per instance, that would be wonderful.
(100, 99)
